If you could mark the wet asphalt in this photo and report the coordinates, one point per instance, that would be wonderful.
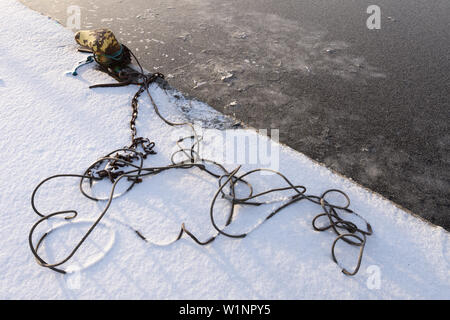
(370, 104)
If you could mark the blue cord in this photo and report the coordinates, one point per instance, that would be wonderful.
(82, 63)
(115, 56)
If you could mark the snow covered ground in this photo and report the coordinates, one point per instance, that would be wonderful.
(52, 123)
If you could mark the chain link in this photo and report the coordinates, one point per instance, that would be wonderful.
(145, 143)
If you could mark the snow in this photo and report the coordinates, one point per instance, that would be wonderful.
(52, 123)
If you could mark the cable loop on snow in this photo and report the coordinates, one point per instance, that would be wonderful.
(128, 164)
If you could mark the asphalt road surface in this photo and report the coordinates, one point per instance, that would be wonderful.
(370, 104)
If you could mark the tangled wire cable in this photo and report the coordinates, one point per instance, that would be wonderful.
(128, 163)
